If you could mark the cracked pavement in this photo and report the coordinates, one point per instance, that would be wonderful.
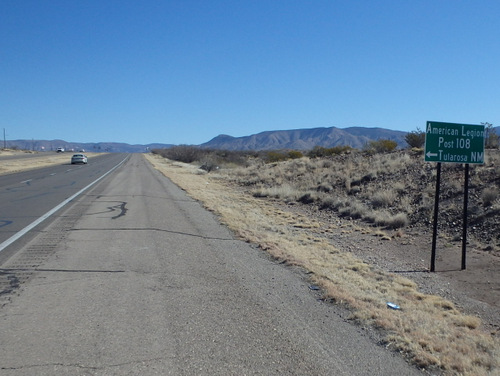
(154, 285)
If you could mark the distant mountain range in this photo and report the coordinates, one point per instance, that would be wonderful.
(306, 139)
(297, 139)
(111, 147)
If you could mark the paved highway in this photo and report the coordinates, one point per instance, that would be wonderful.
(26, 196)
(136, 278)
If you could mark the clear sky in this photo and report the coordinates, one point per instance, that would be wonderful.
(184, 71)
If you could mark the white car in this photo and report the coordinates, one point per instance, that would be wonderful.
(79, 158)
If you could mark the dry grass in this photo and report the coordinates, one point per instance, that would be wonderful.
(489, 196)
(428, 329)
(383, 199)
(45, 159)
(338, 186)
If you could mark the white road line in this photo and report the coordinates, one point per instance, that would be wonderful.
(23, 232)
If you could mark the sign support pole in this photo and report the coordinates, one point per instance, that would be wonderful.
(466, 202)
(436, 210)
(453, 143)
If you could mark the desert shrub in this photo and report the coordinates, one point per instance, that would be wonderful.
(386, 219)
(321, 152)
(233, 157)
(295, 154)
(383, 198)
(280, 156)
(354, 210)
(284, 192)
(210, 159)
(369, 176)
(386, 163)
(354, 190)
(492, 140)
(347, 184)
(415, 139)
(332, 203)
(324, 187)
(381, 146)
(307, 198)
(489, 196)
(209, 164)
(399, 220)
(181, 153)
(317, 152)
(399, 187)
(356, 180)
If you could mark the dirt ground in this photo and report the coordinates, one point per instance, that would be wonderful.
(475, 290)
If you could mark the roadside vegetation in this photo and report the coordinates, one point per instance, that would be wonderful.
(385, 189)
(381, 186)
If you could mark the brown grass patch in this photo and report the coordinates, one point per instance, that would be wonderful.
(45, 159)
(428, 329)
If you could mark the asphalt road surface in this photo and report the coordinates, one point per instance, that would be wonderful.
(29, 195)
(136, 278)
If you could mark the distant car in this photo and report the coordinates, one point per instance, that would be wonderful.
(60, 150)
(79, 158)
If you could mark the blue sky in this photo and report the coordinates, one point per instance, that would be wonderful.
(183, 71)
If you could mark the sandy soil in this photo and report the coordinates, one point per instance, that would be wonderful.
(475, 290)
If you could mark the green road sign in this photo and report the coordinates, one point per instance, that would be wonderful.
(454, 143)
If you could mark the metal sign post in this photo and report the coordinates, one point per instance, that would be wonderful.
(436, 211)
(453, 143)
(464, 230)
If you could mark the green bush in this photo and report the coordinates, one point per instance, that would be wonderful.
(415, 139)
(320, 151)
(280, 156)
(294, 154)
(381, 146)
(276, 156)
